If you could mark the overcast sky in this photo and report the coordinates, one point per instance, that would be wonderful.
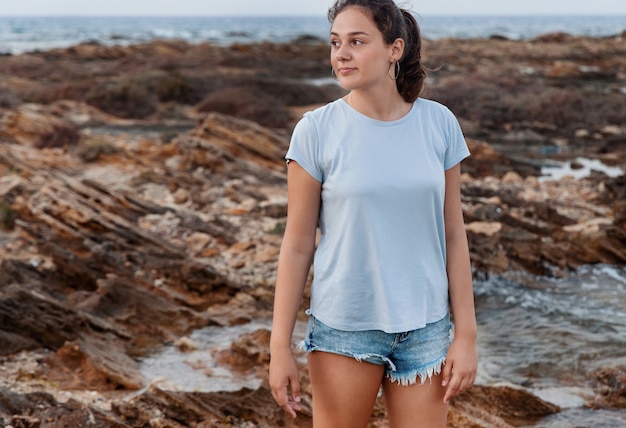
(303, 7)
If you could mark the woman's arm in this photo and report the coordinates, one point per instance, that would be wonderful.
(461, 362)
(296, 254)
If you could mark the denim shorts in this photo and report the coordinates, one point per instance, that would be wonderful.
(406, 356)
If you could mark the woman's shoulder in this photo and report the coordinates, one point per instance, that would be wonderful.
(433, 105)
(315, 120)
(325, 109)
(320, 116)
(434, 110)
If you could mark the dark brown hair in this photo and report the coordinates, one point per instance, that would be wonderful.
(394, 22)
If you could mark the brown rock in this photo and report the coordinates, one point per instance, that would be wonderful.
(34, 319)
(248, 353)
(557, 37)
(220, 409)
(95, 363)
(610, 386)
(104, 262)
(484, 228)
(37, 409)
(497, 406)
(562, 69)
(486, 161)
(245, 139)
(29, 126)
(238, 310)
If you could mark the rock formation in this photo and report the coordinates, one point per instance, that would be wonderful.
(136, 208)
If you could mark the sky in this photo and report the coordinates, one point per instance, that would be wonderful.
(302, 7)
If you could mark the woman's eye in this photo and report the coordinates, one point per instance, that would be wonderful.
(357, 42)
(334, 43)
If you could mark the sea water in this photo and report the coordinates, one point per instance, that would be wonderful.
(23, 34)
(548, 336)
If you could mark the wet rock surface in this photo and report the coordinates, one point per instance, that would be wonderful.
(610, 386)
(142, 200)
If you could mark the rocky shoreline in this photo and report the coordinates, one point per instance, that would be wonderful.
(142, 197)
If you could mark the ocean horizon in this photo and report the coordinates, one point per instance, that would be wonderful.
(20, 34)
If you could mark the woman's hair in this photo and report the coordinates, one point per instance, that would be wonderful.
(394, 22)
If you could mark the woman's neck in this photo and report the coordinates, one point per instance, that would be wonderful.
(387, 107)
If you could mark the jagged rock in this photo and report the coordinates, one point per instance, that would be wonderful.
(498, 407)
(244, 139)
(41, 410)
(94, 362)
(249, 352)
(486, 161)
(220, 409)
(106, 257)
(29, 126)
(610, 386)
(36, 320)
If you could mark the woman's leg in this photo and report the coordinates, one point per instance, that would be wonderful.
(344, 390)
(417, 405)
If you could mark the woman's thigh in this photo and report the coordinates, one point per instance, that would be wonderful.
(416, 405)
(344, 390)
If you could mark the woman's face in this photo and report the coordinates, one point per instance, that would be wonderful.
(359, 54)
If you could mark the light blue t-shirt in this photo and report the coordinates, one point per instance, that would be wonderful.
(381, 260)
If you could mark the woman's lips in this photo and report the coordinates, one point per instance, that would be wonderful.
(346, 70)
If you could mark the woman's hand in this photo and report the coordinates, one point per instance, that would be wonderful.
(459, 373)
(283, 378)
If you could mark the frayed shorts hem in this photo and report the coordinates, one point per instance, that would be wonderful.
(425, 374)
(409, 358)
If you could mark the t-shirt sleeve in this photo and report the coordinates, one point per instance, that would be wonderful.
(457, 149)
(304, 148)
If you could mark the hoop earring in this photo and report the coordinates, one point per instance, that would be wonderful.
(332, 72)
(396, 67)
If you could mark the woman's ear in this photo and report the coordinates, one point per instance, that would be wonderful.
(397, 50)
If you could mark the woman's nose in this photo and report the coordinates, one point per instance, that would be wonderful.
(341, 53)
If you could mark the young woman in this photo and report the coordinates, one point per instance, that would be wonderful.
(378, 171)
